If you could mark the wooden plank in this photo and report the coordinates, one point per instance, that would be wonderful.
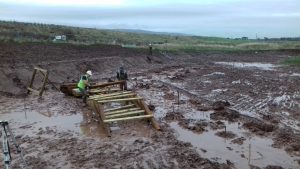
(40, 69)
(128, 118)
(121, 111)
(67, 87)
(106, 84)
(116, 97)
(33, 90)
(148, 112)
(31, 81)
(103, 91)
(119, 100)
(119, 108)
(124, 114)
(112, 94)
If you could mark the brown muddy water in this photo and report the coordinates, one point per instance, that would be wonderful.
(216, 148)
(80, 122)
(58, 113)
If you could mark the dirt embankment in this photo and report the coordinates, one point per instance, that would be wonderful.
(66, 62)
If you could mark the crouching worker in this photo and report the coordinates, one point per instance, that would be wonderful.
(84, 84)
(122, 75)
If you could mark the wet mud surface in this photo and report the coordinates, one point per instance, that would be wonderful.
(217, 110)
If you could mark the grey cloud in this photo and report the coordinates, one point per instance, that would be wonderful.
(237, 18)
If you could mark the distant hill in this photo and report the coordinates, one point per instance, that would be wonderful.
(149, 32)
(19, 31)
(46, 33)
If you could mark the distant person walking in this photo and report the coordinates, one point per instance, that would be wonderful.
(122, 75)
(84, 84)
(150, 49)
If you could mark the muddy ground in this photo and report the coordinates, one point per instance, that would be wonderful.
(235, 110)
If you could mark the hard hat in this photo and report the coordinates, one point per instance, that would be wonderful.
(89, 72)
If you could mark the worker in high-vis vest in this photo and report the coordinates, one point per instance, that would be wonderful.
(83, 85)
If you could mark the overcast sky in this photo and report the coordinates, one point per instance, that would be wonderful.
(225, 18)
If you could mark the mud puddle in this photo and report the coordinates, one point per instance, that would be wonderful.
(236, 148)
(80, 123)
(262, 66)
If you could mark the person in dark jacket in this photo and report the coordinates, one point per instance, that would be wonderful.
(122, 75)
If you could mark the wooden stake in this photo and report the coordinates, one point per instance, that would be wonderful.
(178, 97)
(31, 81)
(225, 132)
(249, 160)
(148, 112)
(44, 83)
(100, 112)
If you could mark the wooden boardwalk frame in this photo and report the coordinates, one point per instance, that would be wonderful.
(133, 108)
(45, 73)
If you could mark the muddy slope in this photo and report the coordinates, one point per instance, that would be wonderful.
(65, 62)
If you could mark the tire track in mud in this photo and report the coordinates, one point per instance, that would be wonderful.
(257, 109)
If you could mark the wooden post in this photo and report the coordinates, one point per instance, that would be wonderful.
(249, 159)
(225, 132)
(32, 79)
(178, 97)
(44, 83)
(102, 116)
(92, 104)
(148, 112)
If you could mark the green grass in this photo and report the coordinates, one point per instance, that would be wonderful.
(44, 33)
(295, 61)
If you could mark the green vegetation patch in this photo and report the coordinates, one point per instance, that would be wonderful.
(292, 61)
